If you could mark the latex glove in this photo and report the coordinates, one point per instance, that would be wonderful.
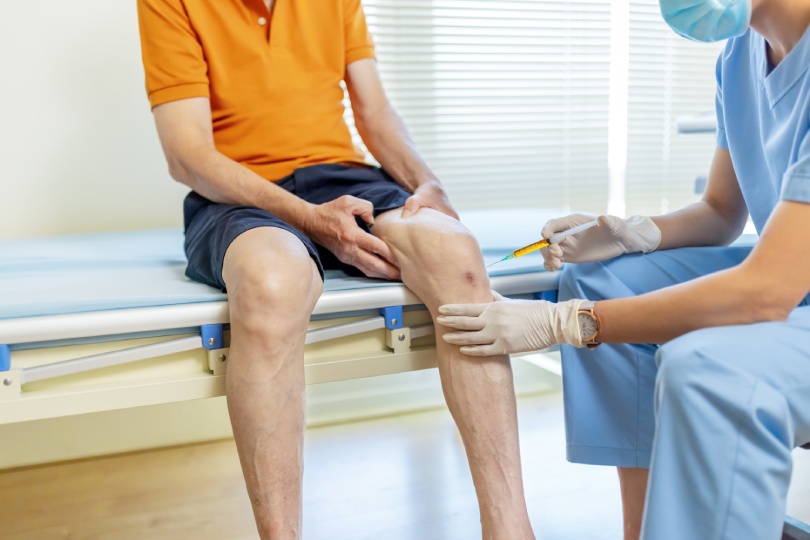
(613, 237)
(511, 326)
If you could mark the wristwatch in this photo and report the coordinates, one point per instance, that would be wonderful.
(588, 325)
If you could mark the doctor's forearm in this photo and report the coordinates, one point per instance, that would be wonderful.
(729, 297)
(699, 224)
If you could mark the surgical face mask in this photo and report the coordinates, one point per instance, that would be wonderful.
(707, 20)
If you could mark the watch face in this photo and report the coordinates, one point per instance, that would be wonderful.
(587, 325)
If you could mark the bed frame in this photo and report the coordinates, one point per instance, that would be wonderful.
(55, 372)
(171, 345)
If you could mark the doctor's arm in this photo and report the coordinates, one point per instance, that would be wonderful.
(186, 135)
(767, 286)
(717, 219)
(389, 141)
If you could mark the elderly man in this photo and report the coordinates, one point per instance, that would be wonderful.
(247, 100)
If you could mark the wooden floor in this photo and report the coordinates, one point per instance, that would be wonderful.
(400, 478)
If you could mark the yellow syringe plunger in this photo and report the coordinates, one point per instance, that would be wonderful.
(523, 251)
(555, 239)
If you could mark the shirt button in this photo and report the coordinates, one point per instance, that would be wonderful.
(262, 21)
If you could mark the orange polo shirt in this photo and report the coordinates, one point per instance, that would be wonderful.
(273, 81)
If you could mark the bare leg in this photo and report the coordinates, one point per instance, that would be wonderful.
(633, 484)
(441, 262)
(273, 286)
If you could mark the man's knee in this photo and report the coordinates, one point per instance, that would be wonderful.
(278, 281)
(429, 237)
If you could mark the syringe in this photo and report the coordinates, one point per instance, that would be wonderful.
(553, 239)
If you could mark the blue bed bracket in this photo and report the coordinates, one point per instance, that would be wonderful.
(10, 383)
(398, 338)
(550, 296)
(212, 336)
(392, 316)
(5, 358)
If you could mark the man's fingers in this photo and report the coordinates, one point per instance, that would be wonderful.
(448, 210)
(362, 208)
(372, 244)
(375, 267)
(461, 323)
(467, 310)
(410, 207)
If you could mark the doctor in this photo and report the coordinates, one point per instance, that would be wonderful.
(709, 418)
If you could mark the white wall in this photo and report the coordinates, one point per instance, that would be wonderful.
(78, 149)
(79, 153)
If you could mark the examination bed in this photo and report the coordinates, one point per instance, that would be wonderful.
(108, 321)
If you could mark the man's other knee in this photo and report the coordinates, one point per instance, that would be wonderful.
(429, 237)
(437, 255)
(277, 280)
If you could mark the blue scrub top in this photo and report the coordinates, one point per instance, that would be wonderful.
(763, 119)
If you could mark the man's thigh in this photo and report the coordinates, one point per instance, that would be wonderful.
(212, 228)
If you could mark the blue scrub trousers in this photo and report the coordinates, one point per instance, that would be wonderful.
(730, 403)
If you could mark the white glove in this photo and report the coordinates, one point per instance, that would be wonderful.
(511, 326)
(613, 237)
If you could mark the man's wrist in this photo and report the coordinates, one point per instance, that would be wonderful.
(430, 182)
(303, 216)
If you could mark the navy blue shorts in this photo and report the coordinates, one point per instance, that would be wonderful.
(211, 227)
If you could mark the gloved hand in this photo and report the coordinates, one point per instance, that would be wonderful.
(613, 237)
(511, 326)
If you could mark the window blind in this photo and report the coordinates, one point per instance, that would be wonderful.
(508, 101)
(669, 77)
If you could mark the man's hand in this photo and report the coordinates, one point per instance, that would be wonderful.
(333, 226)
(511, 326)
(429, 195)
(613, 237)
